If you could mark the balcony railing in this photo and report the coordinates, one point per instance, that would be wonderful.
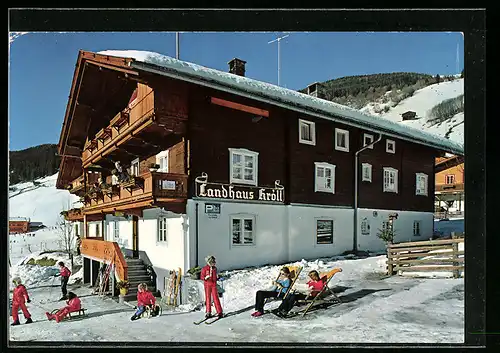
(75, 214)
(108, 252)
(77, 186)
(148, 186)
(449, 187)
(122, 124)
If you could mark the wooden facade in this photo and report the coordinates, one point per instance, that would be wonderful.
(16, 227)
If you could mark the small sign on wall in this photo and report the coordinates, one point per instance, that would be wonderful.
(212, 210)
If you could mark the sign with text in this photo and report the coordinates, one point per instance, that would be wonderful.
(212, 208)
(238, 192)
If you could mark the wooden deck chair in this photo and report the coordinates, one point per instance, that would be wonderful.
(320, 298)
(294, 274)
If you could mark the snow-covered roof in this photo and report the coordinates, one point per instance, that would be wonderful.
(168, 66)
(19, 219)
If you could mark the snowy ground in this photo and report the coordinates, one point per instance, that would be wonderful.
(374, 309)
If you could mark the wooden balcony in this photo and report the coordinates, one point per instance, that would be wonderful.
(119, 130)
(77, 186)
(150, 189)
(108, 252)
(73, 215)
(449, 188)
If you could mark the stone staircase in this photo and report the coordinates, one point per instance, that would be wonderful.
(137, 274)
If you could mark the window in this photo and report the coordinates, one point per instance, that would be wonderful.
(76, 229)
(97, 230)
(365, 227)
(341, 140)
(416, 228)
(367, 139)
(307, 132)
(162, 229)
(390, 180)
(134, 167)
(116, 230)
(390, 146)
(324, 231)
(366, 174)
(243, 166)
(421, 184)
(450, 179)
(324, 177)
(162, 161)
(243, 230)
(387, 225)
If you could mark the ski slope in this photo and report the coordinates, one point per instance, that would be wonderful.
(421, 102)
(41, 203)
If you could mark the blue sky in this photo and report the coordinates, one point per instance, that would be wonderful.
(42, 64)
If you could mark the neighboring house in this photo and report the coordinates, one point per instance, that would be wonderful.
(450, 179)
(18, 225)
(409, 115)
(33, 226)
(217, 163)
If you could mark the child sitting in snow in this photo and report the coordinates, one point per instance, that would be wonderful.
(73, 304)
(144, 299)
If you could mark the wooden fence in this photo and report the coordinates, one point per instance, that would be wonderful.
(433, 255)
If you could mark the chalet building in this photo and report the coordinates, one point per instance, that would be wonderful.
(18, 225)
(449, 189)
(409, 115)
(174, 161)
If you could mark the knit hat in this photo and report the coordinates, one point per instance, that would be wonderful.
(209, 259)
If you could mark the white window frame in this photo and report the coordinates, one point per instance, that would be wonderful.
(419, 228)
(365, 227)
(162, 231)
(346, 134)
(164, 155)
(135, 167)
(312, 129)
(452, 179)
(419, 191)
(324, 219)
(388, 187)
(318, 187)
(242, 217)
(255, 170)
(366, 166)
(369, 136)
(388, 143)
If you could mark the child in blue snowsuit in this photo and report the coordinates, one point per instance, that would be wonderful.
(281, 287)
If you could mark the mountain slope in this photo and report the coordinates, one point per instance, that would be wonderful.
(33, 162)
(40, 201)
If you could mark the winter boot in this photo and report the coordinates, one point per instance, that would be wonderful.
(134, 317)
(208, 315)
(220, 315)
(15, 323)
(29, 321)
(49, 316)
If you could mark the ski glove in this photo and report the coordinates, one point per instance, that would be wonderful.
(207, 277)
(28, 301)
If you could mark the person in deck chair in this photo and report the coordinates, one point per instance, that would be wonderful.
(209, 277)
(73, 304)
(144, 298)
(19, 298)
(315, 285)
(64, 272)
(278, 291)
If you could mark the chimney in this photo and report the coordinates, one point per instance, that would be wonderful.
(237, 67)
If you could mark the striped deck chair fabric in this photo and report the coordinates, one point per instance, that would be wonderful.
(294, 274)
(321, 297)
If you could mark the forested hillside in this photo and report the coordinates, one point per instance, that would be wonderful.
(33, 163)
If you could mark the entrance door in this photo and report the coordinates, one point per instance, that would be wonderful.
(135, 237)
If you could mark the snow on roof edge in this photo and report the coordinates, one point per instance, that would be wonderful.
(290, 97)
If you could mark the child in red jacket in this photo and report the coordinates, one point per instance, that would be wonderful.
(73, 304)
(144, 298)
(209, 277)
(19, 298)
(64, 272)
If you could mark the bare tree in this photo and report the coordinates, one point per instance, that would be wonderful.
(66, 235)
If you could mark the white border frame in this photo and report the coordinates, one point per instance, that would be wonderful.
(396, 181)
(389, 142)
(363, 166)
(315, 233)
(242, 216)
(365, 135)
(426, 189)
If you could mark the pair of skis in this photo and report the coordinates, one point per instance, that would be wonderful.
(209, 320)
(172, 288)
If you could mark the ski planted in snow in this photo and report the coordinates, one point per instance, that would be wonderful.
(201, 321)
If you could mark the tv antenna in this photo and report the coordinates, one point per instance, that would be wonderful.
(279, 59)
